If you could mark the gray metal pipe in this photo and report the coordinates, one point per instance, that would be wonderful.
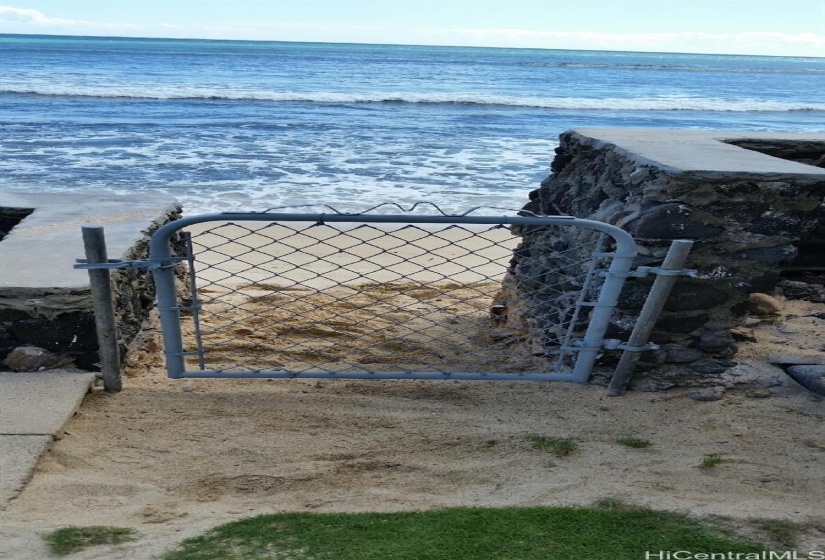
(652, 309)
(168, 308)
(159, 243)
(602, 312)
(94, 243)
(265, 374)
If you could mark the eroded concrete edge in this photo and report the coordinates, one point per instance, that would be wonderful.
(18, 457)
(24, 439)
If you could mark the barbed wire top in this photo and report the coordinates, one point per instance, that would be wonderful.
(418, 208)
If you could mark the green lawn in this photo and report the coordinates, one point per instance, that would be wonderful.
(69, 540)
(545, 533)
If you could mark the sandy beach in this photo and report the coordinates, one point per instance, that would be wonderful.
(374, 297)
(173, 458)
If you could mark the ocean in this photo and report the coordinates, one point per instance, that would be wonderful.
(248, 125)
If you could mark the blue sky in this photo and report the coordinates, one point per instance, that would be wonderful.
(772, 27)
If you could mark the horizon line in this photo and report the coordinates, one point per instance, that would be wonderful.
(396, 45)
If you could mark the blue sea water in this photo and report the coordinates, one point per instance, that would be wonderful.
(243, 125)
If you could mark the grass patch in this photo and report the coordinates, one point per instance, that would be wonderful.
(69, 540)
(634, 442)
(559, 446)
(711, 460)
(535, 533)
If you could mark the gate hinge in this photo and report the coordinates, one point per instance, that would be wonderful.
(644, 271)
(143, 264)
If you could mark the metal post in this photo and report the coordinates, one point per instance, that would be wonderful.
(167, 299)
(94, 243)
(603, 307)
(655, 303)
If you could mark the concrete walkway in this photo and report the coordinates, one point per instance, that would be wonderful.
(34, 407)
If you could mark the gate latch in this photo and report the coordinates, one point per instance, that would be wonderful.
(644, 271)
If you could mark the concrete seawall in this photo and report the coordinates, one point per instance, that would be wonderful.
(44, 301)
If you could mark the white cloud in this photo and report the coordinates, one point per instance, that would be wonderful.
(13, 20)
(21, 15)
(23, 20)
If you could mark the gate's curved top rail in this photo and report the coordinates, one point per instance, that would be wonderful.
(159, 246)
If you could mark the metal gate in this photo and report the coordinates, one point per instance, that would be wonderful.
(389, 296)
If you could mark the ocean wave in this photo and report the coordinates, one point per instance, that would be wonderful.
(654, 103)
(677, 68)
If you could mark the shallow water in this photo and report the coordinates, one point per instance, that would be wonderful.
(235, 125)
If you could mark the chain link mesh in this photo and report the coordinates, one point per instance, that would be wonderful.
(300, 297)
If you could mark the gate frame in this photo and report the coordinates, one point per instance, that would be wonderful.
(162, 264)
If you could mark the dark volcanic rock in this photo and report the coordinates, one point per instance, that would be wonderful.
(32, 358)
(681, 323)
(66, 333)
(750, 225)
(679, 355)
(715, 341)
(693, 297)
(708, 367)
(671, 221)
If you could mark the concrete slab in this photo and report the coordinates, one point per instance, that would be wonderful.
(34, 407)
(40, 403)
(703, 151)
(48, 241)
(18, 456)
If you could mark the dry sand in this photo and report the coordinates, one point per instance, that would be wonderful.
(174, 458)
